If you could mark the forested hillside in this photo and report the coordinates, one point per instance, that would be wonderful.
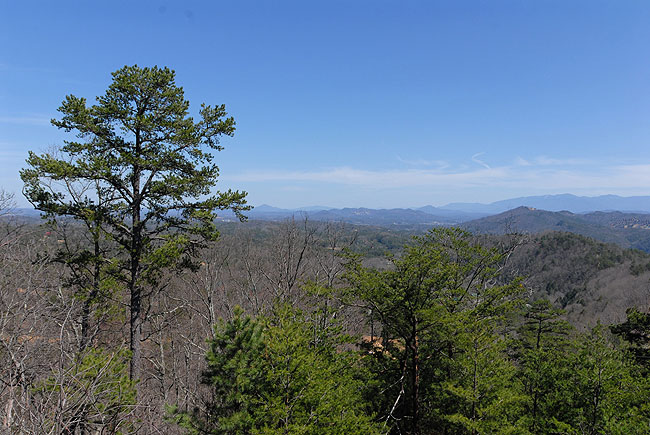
(593, 281)
(628, 230)
(306, 298)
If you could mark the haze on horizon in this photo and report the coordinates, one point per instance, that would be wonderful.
(362, 104)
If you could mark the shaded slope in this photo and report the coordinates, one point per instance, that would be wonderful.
(592, 280)
(627, 230)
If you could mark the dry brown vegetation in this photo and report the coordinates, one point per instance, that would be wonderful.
(49, 385)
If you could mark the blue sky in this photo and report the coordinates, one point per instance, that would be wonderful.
(361, 103)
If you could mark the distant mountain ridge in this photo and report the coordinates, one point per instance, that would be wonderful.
(572, 203)
(458, 213)
(464, 211)
(383, 217)
(363, 216)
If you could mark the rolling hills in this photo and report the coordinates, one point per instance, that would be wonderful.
(628, 230)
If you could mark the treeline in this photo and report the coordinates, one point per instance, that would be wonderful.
(304, 336)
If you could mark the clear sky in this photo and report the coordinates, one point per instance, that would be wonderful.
(361, 103)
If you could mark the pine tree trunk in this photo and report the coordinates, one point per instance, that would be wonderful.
(135, 323)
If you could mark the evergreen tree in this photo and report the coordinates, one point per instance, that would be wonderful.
(542, 350)
(280, 375)
(482, 394)
(440, 308)
(151, 171)
(636, 331)
(317, 385)
(605, 393)
(236, 375)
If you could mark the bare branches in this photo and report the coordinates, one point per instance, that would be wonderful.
(7, 202)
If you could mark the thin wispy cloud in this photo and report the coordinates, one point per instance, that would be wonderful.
(475, 159)
(374, 178)
(525, 175)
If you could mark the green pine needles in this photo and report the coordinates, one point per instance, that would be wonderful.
(269, 376)
(140, 175)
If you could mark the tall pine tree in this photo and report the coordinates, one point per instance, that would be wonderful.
(152, 172)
